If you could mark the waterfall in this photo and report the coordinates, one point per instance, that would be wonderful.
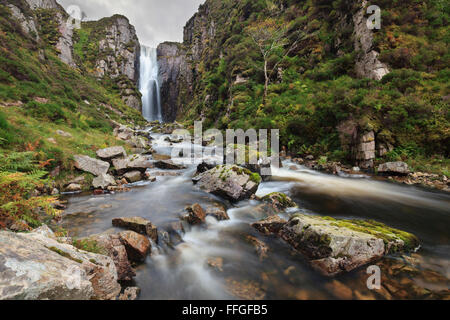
(149, 84)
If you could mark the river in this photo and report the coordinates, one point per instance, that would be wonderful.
(185, 271)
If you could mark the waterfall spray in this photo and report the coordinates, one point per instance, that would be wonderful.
(149, 84)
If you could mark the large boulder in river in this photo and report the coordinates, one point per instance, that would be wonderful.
(231, 182)
(132, 163)
(112, 246)
(103, 181)
(278, 202)
(137, 245)
(133, 176)
(394, 168)
(169, 165)
(111, 153)
(91, 165)
(35, 266)
(270, 225)
(137, 224)
(195, 214)
(334, 246)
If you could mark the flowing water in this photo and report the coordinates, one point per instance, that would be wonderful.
(149, 84)
(185, 272)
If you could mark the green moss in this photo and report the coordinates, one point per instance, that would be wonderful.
(381, 231)
(65, 254)
(283, 199)
(88, 245)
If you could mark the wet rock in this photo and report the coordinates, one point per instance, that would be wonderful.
(90, 165)
(111, 153)
(137, 245)
(158, 157)
(231, 182)
(216, 263)
(217, 211)
(394, 168)
(166, 174)
(195, 214)
(35, 267)
(133, 176)
(204, 166)
(137, 224)
(278, 201)
(245, 290)
(130, 294)
(110, 245)
(103, 181)
(271, 225)
(260, 247)
(131, 163)
(335, 246)
(169, 165)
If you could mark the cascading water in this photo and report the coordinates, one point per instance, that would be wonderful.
(149, 84)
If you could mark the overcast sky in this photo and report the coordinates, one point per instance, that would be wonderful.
(156, 21)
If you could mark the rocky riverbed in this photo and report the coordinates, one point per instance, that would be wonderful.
(185, 231)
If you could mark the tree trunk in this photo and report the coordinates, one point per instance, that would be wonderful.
(266, 83)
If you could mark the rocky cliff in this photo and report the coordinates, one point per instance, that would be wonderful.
(109, 49)
(330, 69)
(176, 79)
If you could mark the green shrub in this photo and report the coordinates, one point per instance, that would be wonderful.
(50, 111)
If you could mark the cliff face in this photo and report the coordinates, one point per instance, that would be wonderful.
(109, 49)
(176, 79)
(330, 69)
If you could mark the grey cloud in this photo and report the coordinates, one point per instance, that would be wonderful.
(156, 21)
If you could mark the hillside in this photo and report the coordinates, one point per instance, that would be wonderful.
(51, 106)
(333, 85)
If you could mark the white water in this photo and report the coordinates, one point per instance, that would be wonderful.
(149, 84)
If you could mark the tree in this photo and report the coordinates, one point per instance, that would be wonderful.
(271, 39)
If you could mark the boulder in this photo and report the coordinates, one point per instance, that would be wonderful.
(217, 211)
(271, 225)
(335, 246)
(73, 187)
(111, 153)
(278, 202)
(260, 247)
(35, 267)
(110, 245)
(231, 182)
(63, 134)
(137, 224)
(168, 165)
(394, 169)
(195, 214)
(88, 164)
(137, 245)
(130, 294)
(133, 176)
(131, 163)
(103, 181)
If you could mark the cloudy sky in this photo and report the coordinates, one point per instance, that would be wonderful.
(156, 21)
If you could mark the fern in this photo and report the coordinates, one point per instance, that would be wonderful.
(18, 161)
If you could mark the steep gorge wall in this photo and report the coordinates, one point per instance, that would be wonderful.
(110, 49)
(107, 49)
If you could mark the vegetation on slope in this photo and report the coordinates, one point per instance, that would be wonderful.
(313, 86)
(39, 95)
